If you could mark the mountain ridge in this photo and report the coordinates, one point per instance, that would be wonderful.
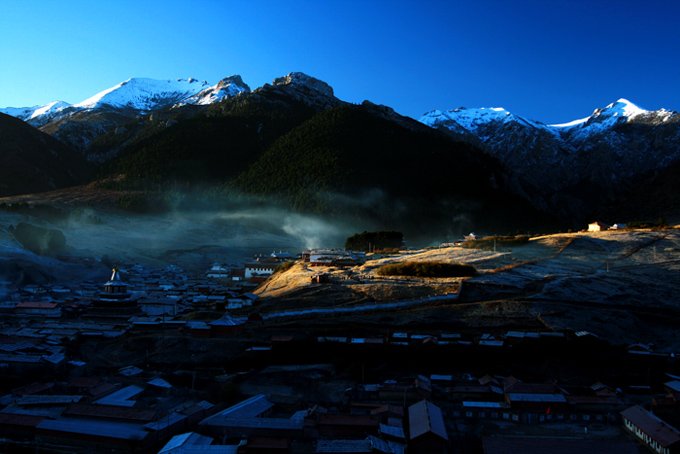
(574, 167)
(567, 169)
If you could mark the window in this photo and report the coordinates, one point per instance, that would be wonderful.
(586, 417)
(494, 415)
(468, 414)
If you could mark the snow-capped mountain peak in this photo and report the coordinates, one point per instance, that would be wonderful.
(471, 120)
(28, 113)
(620, 108)
(225, 88)
(467, 118)
(621, 111)
(144, 94)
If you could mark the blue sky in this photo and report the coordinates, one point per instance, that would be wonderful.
(553, 60)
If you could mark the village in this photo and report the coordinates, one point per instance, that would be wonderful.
(176, 361)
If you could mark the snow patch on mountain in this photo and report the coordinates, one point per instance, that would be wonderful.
(474, 120)
(144, 94)
(226, 88)
(28, 113)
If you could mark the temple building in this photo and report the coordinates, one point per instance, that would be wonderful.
(116, 301)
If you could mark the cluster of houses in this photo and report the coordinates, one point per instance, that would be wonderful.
(143, 293)
(132, 410)
(254, 271)
(601, 227)
(135, 410)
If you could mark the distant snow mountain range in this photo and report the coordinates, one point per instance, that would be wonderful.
(136, 96)
(144, 96)
(575, 166)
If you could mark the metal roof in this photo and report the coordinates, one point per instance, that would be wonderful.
(674, 385)
(47, 400)
(521, 397)
(392, 431)
(425, 417)
(159, 382)
(121, 397)
(245, 414)
(386, 446)
(205, 449)
(249, 408)
(185, 440)
(490, 405)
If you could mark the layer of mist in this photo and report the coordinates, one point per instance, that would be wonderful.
(193, 240)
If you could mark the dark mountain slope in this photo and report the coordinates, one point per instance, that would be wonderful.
(32, 161)
(648, 198)
(348, 162)
(212, 146)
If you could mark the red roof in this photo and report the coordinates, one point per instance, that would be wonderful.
(34, 388)
(533, 388)
(111, 412)
(397, 410)
(101, 389)
(12, 419)
(34, 305)
(84, 382)
(268, 443)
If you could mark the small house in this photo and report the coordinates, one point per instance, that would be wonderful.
(427, 431)
(597, 227)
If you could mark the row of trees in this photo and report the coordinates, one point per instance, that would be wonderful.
(427, 269)
(371, 241)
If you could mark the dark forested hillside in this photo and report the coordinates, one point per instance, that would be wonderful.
(348, 162)
(345, 162)
(212, 146)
